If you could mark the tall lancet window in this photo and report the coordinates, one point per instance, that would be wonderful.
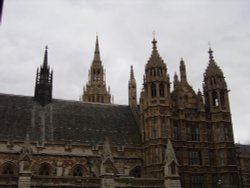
(153, 90)
(161, 90)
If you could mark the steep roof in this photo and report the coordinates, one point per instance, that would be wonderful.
(67, 121)
(155, 59)
(213, 69)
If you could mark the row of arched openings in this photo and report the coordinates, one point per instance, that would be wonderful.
(45, 169)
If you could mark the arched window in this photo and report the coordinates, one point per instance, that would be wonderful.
(215, 99)
(8, 169)
(135, 172)
(44, 169)
(78, 171)
(173, 170)
(153, 90)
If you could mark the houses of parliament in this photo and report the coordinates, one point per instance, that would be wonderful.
(171, 137)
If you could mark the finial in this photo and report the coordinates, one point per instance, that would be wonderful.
(154, 44)
(183, 71)
(132, 73)
(211, 57)
(209, 44)
(153, 34)
(45, 61)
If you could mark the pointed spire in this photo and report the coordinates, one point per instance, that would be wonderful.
(44, 78)
(183, 71)
(155, 59)
(170, 154)
(97, 51)
(176, 80)
(45, 60)
(132, 77)
(212, 68)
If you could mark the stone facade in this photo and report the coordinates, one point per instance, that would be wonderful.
(243, 152)
(174, 137)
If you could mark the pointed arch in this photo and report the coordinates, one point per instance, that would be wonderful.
(110, 167)
(8, 168)
(45, 169)
(81, 170)
(135, 172)
(78, 170)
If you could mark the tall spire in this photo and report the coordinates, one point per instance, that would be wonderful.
(96, 90)
(132, 93)
(183, 71)
(132, 77)
(45, 60)
(44, 78)
(97, 51)
(155, 59)
(176, 80)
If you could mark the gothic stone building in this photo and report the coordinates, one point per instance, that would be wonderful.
(172, 138)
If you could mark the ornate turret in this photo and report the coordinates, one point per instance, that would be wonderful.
(155, 109)
(96, 90)
(44, 78)
(132, 89)
(215, 87)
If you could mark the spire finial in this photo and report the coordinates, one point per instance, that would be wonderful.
(154, 44)
(153, 34)
(183, 70)
(211, 57)
(97, 51)
(132, 77)
(45, 60)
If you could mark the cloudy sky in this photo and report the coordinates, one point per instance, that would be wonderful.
(183, 29)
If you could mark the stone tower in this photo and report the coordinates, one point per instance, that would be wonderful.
(155, 113)
(220, 126)
(96, 90)
(132, 96)
(44, 78)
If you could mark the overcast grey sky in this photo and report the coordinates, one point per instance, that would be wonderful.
(183, 29)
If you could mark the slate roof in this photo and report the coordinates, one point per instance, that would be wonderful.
(65, 121)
